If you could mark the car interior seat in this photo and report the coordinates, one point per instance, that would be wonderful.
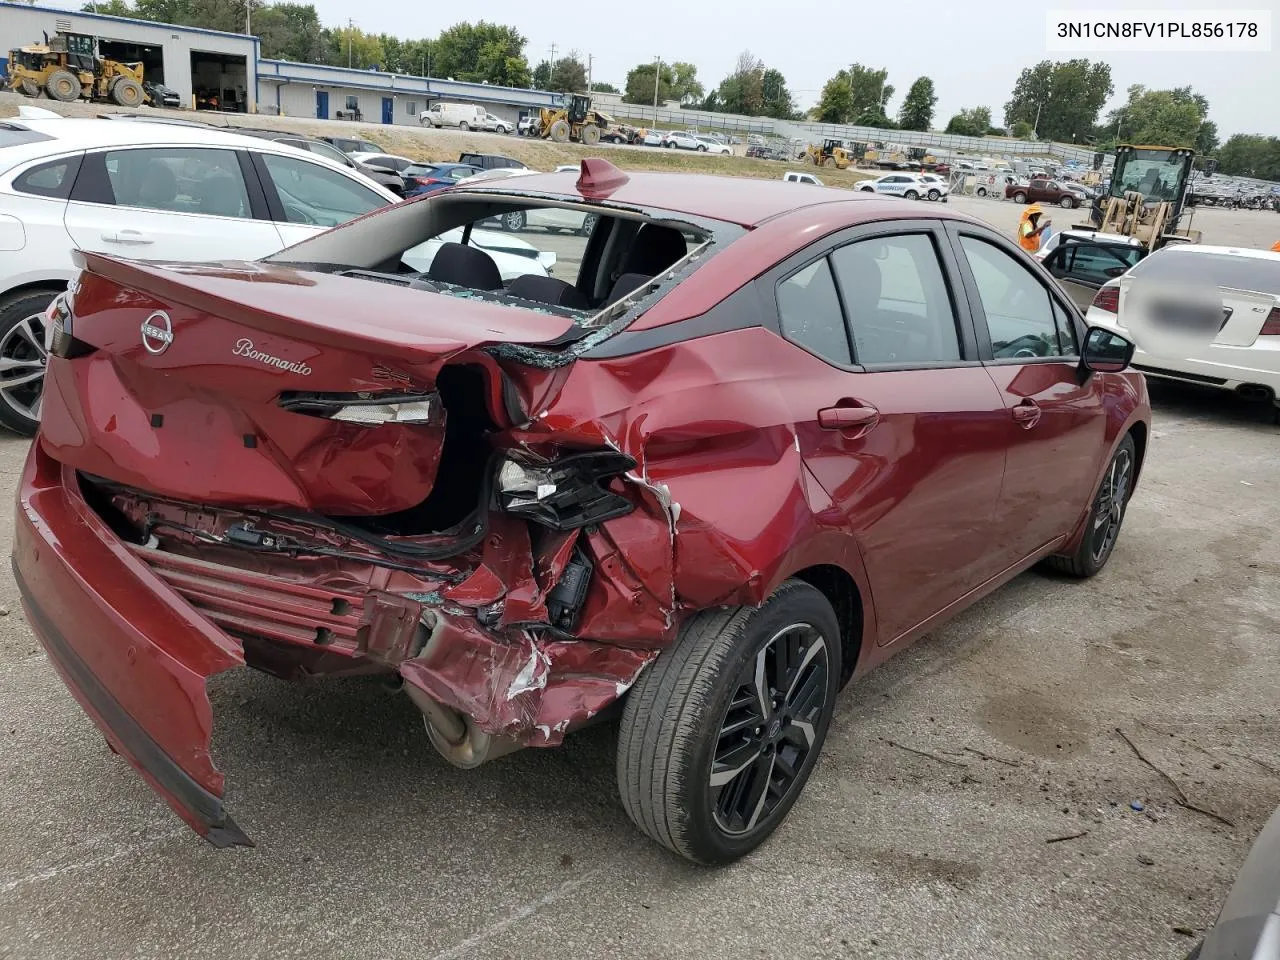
(548, 290)
(653, 250)
(465, 266)
(159, 187)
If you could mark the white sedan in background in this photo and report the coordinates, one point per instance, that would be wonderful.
(551, 219)
(909, 185)
(684, 141)
(388, 161)
(715, 146)
(1241, 355)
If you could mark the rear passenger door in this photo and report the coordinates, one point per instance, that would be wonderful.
(169, 203)
(905, 429)
(1055, 421)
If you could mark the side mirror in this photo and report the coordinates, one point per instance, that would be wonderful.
(1105, 351)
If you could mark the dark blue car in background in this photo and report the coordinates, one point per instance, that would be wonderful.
(429, 177)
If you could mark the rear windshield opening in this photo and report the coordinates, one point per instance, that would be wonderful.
(586, 262)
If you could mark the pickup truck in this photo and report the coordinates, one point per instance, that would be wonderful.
(1039, 190)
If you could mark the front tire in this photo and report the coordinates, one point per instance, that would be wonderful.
(1102, 529)
(1067, 203)
(514, 221)
(1020, 198)
(127, 92)
(22, 356)
(720, 735)
(934, 195)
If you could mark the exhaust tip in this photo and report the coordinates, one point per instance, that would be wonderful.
(1255, 391)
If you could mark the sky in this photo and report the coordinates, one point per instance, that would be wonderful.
(973, 51)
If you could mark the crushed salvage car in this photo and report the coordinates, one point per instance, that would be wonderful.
(749, 446)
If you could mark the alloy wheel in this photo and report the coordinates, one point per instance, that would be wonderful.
(768, 732)
(22, 366)
(1108, 508)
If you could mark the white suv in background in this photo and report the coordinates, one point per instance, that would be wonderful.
(150, 191)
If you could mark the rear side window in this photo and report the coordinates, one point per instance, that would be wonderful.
(316, 195)
(899, 307)
(52, 179)
(178, 180)
(809, 309)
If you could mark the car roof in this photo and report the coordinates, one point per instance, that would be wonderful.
(1251, 253)
(84, 134)
(745, 201)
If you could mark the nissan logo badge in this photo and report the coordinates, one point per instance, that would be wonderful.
(157, 332)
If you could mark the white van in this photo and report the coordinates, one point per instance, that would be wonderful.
(464, 116)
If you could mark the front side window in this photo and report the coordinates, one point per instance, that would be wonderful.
(899, 306)
(178, 180)
(809, 309)
(1020, 314)
(313, 194)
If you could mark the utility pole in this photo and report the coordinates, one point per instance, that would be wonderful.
(248, 7)
(657, 77)
(1035, 127)
(350, 35)
(589, 60)
(553, 59)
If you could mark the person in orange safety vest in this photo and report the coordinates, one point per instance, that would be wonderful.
(1030, 228)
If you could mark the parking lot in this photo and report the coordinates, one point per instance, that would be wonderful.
(979, 796)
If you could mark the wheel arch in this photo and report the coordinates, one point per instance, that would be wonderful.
(841, 590)
(30, 288)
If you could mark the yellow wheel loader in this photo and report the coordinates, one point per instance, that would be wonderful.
(832, 153)
(577, 122)
(1147, 197)
(68, 67)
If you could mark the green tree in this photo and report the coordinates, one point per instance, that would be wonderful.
(685, 85)
(835, 105)
(862, 100)
(1063, 97)
(973, 122)
(1172, 118)
(1207, 138)
(599, 86)
(114, 8)
(542, 75)
(351, 46)
(917, 108)
(480, 53)
(1021, 130)
(1251, 155)
(569, 75)
(640, 81)
(778, 101)
(743, 90)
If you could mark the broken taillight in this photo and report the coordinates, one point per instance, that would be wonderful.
(564, 494)
(370, 409)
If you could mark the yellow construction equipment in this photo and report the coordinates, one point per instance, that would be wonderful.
(1147, 195)
(576, 122)
(832, 153)
(69, 67)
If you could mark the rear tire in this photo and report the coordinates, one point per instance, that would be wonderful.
(463, 126)
(63, 85)
(29, 88)
(588, 224)
(720, 735)
(934, 195)
(514, 221)
(911, 195)
(590, 135)
(127, 92)
(1106, 515)
(1020, 197)
(23, 355)
(560, 131)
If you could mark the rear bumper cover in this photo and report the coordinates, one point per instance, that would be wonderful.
(132, 653)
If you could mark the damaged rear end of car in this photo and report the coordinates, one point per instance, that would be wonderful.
(266, 465)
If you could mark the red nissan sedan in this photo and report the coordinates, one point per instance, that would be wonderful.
(745, 442)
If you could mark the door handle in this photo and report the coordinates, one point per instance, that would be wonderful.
(1026, 414)
(860, 417)
(129, 237)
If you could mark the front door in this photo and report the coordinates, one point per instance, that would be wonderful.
(1055, 422)
(900, 425)
(1082, 266)
(167, 203)
(322, 104)
(388, 110)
